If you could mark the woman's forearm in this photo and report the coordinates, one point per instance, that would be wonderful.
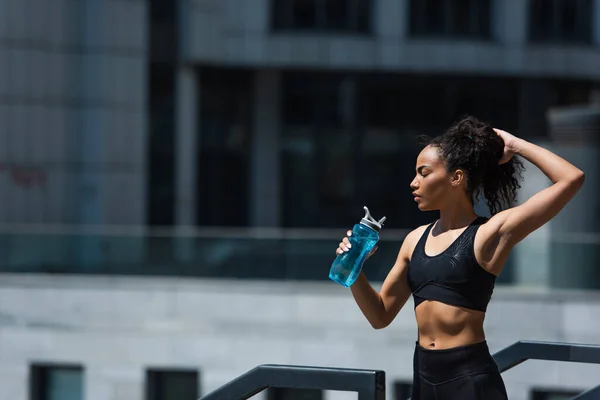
(369, 301)
(553, 166)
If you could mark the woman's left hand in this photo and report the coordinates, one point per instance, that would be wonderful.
(509, 145)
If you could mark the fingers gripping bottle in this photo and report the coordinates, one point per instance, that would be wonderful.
(347, 266)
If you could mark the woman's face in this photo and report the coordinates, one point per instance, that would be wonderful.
(432, 183)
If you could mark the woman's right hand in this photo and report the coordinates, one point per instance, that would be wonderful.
(509, 145)
(345, 246)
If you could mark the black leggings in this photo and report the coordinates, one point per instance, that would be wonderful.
(460, 373)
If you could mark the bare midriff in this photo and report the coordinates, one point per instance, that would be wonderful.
(443, 326)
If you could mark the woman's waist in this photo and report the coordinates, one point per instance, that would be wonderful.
(436, 341)
(441, 365)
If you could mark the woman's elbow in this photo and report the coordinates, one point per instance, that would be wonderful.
(580, 178)
(380, 323)
(577, 180)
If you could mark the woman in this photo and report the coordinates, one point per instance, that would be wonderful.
(450, 265)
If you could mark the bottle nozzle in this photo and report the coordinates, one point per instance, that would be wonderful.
(370, 221)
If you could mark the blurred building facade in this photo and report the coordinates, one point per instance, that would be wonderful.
(238, 139)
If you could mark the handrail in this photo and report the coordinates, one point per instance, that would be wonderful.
(589, 394)
(524, 350)
(370, 384)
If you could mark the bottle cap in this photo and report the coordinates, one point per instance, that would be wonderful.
(369, 221)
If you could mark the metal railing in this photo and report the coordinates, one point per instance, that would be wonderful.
(252, 253)
(370, 384)
(524, 350)
(283, 254)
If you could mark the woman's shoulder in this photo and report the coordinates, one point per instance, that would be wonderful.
(410, 241)
(413, 236)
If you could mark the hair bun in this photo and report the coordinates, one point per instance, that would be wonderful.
(475, 147)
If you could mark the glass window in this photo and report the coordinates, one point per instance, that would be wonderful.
(161, 116)
(161, 140)
(451, 18)
(350, 140)
(224, 147)
(172, 385)
(319, 141)
(571, 93)
(56, 382)
(561, 21)
(162, 18)
(341, 16)
(402, 390)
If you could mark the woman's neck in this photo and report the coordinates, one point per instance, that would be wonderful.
(456, 215)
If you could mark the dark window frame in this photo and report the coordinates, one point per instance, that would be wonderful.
(359, 18)
(402, 390)
(224, 169)
(155, 379)
(552, 28)
(421, 24)
(38, 377)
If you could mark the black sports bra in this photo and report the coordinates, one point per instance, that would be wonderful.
(452, 277)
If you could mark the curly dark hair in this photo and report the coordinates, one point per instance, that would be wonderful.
(474, 146)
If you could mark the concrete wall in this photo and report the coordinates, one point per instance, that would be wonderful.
(72, 111)
(238, 32)
(117, 327)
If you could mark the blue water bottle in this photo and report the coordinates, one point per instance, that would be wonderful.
(347, 266)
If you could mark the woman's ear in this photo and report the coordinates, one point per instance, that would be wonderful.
(458, 177)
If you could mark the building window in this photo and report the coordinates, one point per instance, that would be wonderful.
(56, 382)
(350, 140)
(402, 390)
(294, 394)
(335, 16)
(224, 147)
(172, 384)
(162, 23)
(561, 21)
(539, 394)
(467, 19)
